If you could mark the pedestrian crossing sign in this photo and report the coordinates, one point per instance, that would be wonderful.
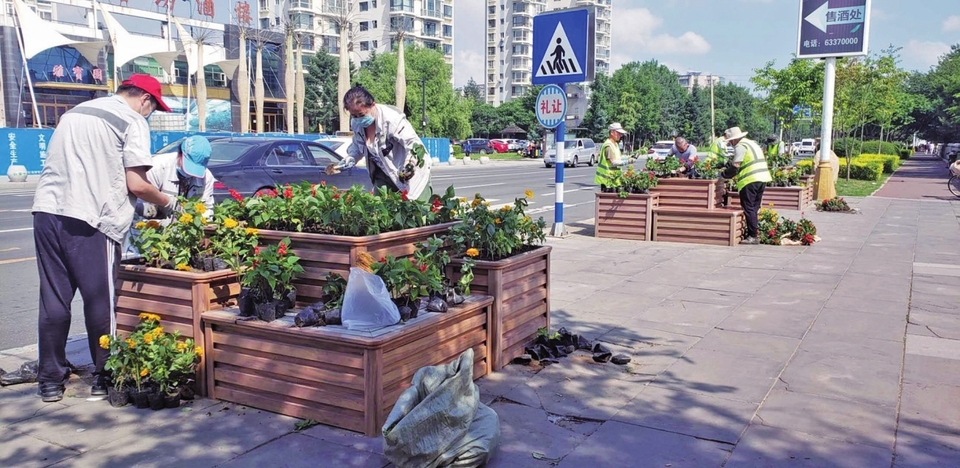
(563, 47)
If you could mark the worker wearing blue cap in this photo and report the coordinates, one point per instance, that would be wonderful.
(182, 174)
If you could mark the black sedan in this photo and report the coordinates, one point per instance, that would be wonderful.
(251, 165)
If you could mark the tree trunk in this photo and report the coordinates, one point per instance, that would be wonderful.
(201, 91)
(258, 89)
(343, 81)
(301, 94)
(243, 83)
(289, 82)
(401, 83)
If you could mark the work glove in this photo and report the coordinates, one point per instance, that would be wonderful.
(146, 210)
(729, 172)
(172, 206)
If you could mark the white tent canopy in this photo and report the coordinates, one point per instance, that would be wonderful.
(38, 36)
(127, 47)
(213, 54)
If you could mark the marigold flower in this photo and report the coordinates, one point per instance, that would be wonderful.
(771, 205)
(497, 221)
(130, 343)
(186, 218)
(105, 341)
(527, 219)
(144, 372)
(157, 332)
(183, 267)
(528, 193)
(475, 202)
(200, 207)
(462, 199)
(230, 223)
(505, 209)
(486, 203)
(472, 252)
(140, 225)
(181, 346)
(336, 195)
(198, 350)
(148, 338)
(148, 316)
(252, 231)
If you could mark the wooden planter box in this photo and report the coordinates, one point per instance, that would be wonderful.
(348, 379)
(704, 194)
(520, 286)
(716, 227)
(178, 297)
(323, 253)
(624, 218)
(783, 198)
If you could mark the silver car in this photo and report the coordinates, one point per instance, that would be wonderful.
(576, 151)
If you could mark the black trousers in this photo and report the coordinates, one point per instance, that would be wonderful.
(72, 255)
(751, 198)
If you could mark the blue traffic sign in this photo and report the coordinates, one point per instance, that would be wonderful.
(551, 106)
(562, 47)
(833, 28)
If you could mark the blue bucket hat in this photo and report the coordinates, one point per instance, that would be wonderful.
(196, 154)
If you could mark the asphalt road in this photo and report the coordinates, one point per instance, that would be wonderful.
(499, 183)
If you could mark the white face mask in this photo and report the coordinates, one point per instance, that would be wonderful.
(147, 117)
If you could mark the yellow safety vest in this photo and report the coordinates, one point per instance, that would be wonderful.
(717, 148)
(606, 171)
(753, 168)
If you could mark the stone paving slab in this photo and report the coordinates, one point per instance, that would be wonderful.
(681, 312)
(724, 375)
(772, 447)
(299, 450)
(619, 444)
(881, 327)
(933, 347)
(525, 430)
(752, 345)
(937, 325)
(867, 304)
(703, 416)
(843, 377)
(21, 450)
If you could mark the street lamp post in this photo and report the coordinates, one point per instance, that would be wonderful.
(423, 116)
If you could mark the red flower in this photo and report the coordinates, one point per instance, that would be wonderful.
(271, 193)
(323, 183)
(313, 190)
(383, 259)
(423, 268)
(434, 209)
(772, 232)
(336, 195)
(403, 195)
(256, 250)
(650, 175)
(282, 249)
(436, 203)
(288, 192)
(236, 195)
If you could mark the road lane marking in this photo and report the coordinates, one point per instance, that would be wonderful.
(551, 207)
(568, 191)
(16, 211)
(17, 260)
(16, 230)
(484, 185)
(10, 249)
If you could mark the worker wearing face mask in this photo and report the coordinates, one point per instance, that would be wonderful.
(384, 136)
(181, 174)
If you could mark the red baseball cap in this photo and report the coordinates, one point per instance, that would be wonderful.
(151, 86)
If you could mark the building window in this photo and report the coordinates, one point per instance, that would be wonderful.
(364, 6)
(264, 23)
(447, 30)
(492, 23)
(373, 3)
(447, 50)
(364, 46)
(491, 50)
(492, 91)
(376, 44)
(301, 4)
(492, 10)
(364, 26)
(374, 25)
(448, 11)
(263, 4)
(401, 5)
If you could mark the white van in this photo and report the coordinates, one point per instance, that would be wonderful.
(575, 151)
(808, 147)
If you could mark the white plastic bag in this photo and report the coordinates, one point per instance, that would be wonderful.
(366, 302)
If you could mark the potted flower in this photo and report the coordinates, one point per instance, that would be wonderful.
(121, 366)
(511, 264)
(627, 215)
(666, 167)
(329, 226)
(170, 361)
(267, 278)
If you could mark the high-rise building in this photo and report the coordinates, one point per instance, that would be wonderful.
(509, 42)
(694, 78)
(372, 24)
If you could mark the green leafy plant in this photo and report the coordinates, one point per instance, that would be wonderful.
(707, 168)
(666, 167)
(270, 271)
(496, 234)
(333, 290)
(403, 277)
(833, 204)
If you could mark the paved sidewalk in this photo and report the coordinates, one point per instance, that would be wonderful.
(844, 353)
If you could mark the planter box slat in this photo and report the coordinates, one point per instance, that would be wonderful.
(522, 314)
(345, 378)
(532, 272)
(714, 227)
(160, 288)
(624, 218)
(688, 193)
(134, 305)
(324, 253)
(783, 198)
(519, 337)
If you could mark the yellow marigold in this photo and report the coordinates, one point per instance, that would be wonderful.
(140, 225)
(144, 372)
(198, 350)
(252, 231)
(181, 346)
(486, 203)
(506, 208)
(472, 252)
(528, 193)
(149, 316)
(200, 207)
(462, 199)
(526, 219)
(153, 224)
(157, 332)
(186, 218)
(475, 202)
(771, 205)
(183, 267)
(230, 223)
(148, 338)
(497, 221)
(105, 342)
(130, 343)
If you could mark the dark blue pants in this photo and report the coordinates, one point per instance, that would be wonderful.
(72, 255)
(751, 196)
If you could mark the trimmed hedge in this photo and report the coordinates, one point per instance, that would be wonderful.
(806, 164)
(848, 146)
(862, 170)
(880, 147)
(905, 153)
(890, 162)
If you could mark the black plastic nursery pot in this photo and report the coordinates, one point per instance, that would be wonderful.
(118, 398)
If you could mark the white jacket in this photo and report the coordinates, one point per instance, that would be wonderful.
(163, 176)
(392, 127)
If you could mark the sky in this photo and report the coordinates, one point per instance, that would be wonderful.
(729, 38)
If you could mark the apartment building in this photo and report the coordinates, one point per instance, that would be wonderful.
(702, 80)
(372, 24)
(509, 42)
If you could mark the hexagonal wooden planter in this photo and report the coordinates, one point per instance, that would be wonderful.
(348, 379)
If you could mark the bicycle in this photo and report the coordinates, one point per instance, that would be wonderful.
(954, 183)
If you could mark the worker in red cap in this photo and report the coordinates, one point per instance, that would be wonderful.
(96, 168)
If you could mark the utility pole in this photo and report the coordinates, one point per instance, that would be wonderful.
(713, 126)
(423, 117)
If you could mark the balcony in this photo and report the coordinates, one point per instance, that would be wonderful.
(430, 33)
(333, 9)
(401, 9)
(431, 13)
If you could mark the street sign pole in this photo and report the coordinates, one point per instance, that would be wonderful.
(826, 186)
(558, 229)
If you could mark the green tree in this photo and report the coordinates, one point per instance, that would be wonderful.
(799, 83)
(937, 94)
(474, 91)
(321, 106)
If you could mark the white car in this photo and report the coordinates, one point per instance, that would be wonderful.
(808, 147)
(575, 152)
(659, 150)
(339, 145)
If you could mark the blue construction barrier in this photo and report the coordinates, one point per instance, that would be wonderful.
(28, 146)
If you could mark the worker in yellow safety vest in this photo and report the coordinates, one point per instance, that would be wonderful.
(611, 162)
(752, 176)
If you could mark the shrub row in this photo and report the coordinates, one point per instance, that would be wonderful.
(862, 170)
(851, 147)
(890, 162)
